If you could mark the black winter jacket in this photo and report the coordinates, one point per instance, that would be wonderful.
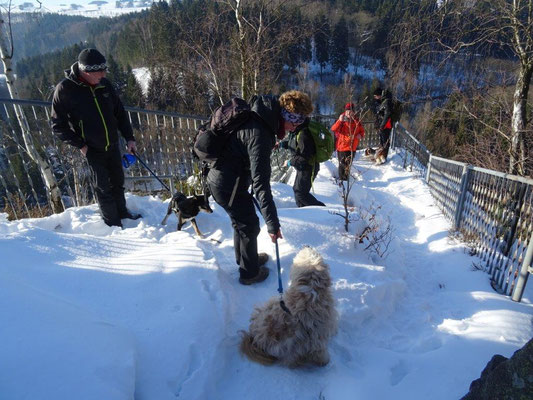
(303, 146)
(85, 115)
(383, 112)
(246, 158)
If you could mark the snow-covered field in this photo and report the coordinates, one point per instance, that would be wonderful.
(93, 312)
(85, 8)
(142, 75)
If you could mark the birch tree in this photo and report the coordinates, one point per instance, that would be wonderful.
(6, 54)
(261, 37)
(440, 32)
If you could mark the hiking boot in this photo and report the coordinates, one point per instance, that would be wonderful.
(113, 223)
(260, 277)
(262, 259)
(130, 215)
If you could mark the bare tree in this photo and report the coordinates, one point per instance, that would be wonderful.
(377, 233)
(345, 187)
(458, 31)
(206, 38)
(6, 53)
(260, 38)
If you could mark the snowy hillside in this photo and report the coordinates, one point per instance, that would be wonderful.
(93, 312)
(85, 8)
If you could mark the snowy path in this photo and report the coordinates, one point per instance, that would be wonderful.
(150, 313)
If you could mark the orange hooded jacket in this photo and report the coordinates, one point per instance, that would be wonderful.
(346, 134)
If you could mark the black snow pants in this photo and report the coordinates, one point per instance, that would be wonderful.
(109, 185)
(345, 164)
(302, 187)
(240, 208)
(384, 140)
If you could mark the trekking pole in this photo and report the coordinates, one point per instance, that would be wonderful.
(152, 172)
(280, 286)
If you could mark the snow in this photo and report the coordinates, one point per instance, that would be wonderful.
(142, 75)
(146, 312)
(85, 8)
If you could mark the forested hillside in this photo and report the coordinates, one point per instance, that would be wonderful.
(193, 51)
(455, 68)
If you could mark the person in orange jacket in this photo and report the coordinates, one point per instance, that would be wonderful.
(348, 131)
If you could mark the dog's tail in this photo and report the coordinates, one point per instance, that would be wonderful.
(254, 353)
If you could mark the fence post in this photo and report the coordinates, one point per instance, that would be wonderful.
(413, 156)
(405, 151)
(524, 272)
(428, 173)
(393, 136)
(459, 208)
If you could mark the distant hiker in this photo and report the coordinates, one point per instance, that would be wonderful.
(383, 124)
(87, 113)
(302, 144)
(245, 161)
(348, 131)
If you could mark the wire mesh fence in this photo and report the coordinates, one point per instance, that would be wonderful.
(493, 211)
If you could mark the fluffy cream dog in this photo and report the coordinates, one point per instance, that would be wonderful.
(300, 337)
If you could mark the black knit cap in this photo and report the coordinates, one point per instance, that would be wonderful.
(378, 92)
(91, 60)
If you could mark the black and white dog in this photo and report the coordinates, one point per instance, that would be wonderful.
(186, 209)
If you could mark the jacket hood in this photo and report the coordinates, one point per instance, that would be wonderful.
(268, 108)
(72, 74)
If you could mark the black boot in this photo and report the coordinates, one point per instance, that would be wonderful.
(130, 215)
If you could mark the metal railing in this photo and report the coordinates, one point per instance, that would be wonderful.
(492, 210)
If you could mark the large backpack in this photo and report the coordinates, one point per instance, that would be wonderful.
(324, 141)
(212, 137)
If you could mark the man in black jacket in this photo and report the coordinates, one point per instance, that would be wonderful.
(244, 162)
(383, 124)
(303, 146)
(87, 114)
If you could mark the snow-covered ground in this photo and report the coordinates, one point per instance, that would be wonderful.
(93, 312)
(142, 75)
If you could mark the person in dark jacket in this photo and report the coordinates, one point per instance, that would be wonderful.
(87, 114)
(302, 144)
(244, 162)
(383, 124)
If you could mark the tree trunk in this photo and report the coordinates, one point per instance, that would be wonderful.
(44, 167)
(245, 88)
(519, 120)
